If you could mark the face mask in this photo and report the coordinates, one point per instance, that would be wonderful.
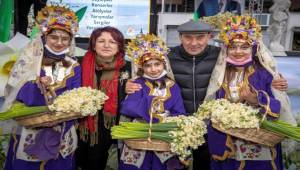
(161, 75)
(232, 61)
(57, 53)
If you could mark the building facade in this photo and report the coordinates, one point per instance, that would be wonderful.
(171, 13)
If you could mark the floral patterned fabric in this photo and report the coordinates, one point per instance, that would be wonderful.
(24, 146)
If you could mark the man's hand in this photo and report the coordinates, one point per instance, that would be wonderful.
(132, 87)
(280, 83)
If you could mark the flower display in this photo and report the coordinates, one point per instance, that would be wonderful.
(229, 115)
(217, 20)
(146, 44)
(238, 115)
(182, 132)
(84, 100)
(57, 17)
(240, 27)
(189, 135)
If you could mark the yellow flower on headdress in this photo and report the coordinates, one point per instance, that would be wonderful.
(57, 17)
(217, 20)
(146, 45)
(240, 27)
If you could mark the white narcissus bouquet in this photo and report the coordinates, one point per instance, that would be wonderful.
(237, 115)
(189, 135)
(84, 100)
(229, 115)
(182, 132)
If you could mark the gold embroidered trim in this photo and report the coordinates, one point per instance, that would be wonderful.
(242, 165)
(14, 136)
(227, 153)
(274, 154)
(248, 72)
(42, 166)
(267, 106)
(62, 84)
(160, 99)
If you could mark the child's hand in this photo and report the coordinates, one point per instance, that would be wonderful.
(46, 81)
(248, 94)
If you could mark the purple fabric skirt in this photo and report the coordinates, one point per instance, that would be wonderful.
(12, 163)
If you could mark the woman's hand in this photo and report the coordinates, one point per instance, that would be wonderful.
(247, 94)
(132, 87)
(46, 81)
(280, 83)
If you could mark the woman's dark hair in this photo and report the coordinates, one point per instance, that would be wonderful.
(114, 32)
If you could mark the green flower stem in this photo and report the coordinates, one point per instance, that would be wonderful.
(283, 129)
(144, 127)
(19, 109)
(119, 132)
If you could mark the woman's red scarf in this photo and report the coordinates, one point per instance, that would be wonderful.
(89, 125)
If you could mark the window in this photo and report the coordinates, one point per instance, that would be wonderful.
(175, 5)
(266, 5)
(295, 6)
(296, 39)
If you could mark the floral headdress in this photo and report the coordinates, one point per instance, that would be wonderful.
(146, 46)
(217, 20)
(240, 27)
(57, 17)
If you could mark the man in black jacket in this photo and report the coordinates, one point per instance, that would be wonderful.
(192, 63)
